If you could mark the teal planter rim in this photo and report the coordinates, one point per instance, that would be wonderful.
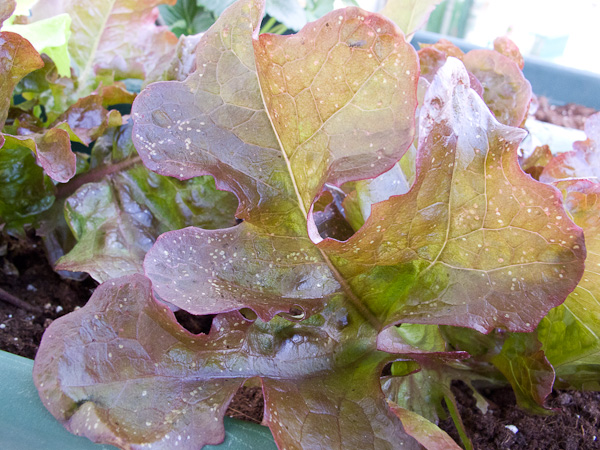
(27, 425)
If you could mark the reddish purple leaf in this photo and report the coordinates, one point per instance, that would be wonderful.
(201, 126)
(122, 371)
(505, 89)
(476, 242)
(52, 150)
(17, 59)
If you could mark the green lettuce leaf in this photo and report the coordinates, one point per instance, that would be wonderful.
(525, 366)
(116, 36)
(49, 36)
(117, 219)
(25, 191)
(409, 15)
(570, 333)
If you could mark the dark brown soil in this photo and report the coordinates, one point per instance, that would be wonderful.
(575, 424)
(569, 115)
(26, 274)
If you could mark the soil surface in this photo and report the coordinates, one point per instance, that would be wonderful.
(569, 115)
(574, 425)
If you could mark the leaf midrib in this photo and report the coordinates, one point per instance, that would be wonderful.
(85, 72)
(356, 302)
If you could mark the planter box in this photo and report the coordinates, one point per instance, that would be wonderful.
(25, 424)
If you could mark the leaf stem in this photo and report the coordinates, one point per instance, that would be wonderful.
(458, 423)
(267, 26)
(16, 301)
(67, 189)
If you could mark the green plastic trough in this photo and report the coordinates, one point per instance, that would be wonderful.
(25, 424)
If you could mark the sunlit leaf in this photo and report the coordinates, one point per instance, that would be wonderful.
(409, 15)
(469, 244)
(49, 36)
(117, 36)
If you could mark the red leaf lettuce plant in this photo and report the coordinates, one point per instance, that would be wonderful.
(469, 243)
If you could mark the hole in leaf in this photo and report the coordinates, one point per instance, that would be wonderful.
(248, 314)
(328, 215)
(194, 324)
(247, 404)
(295, 314)
(387, 370)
